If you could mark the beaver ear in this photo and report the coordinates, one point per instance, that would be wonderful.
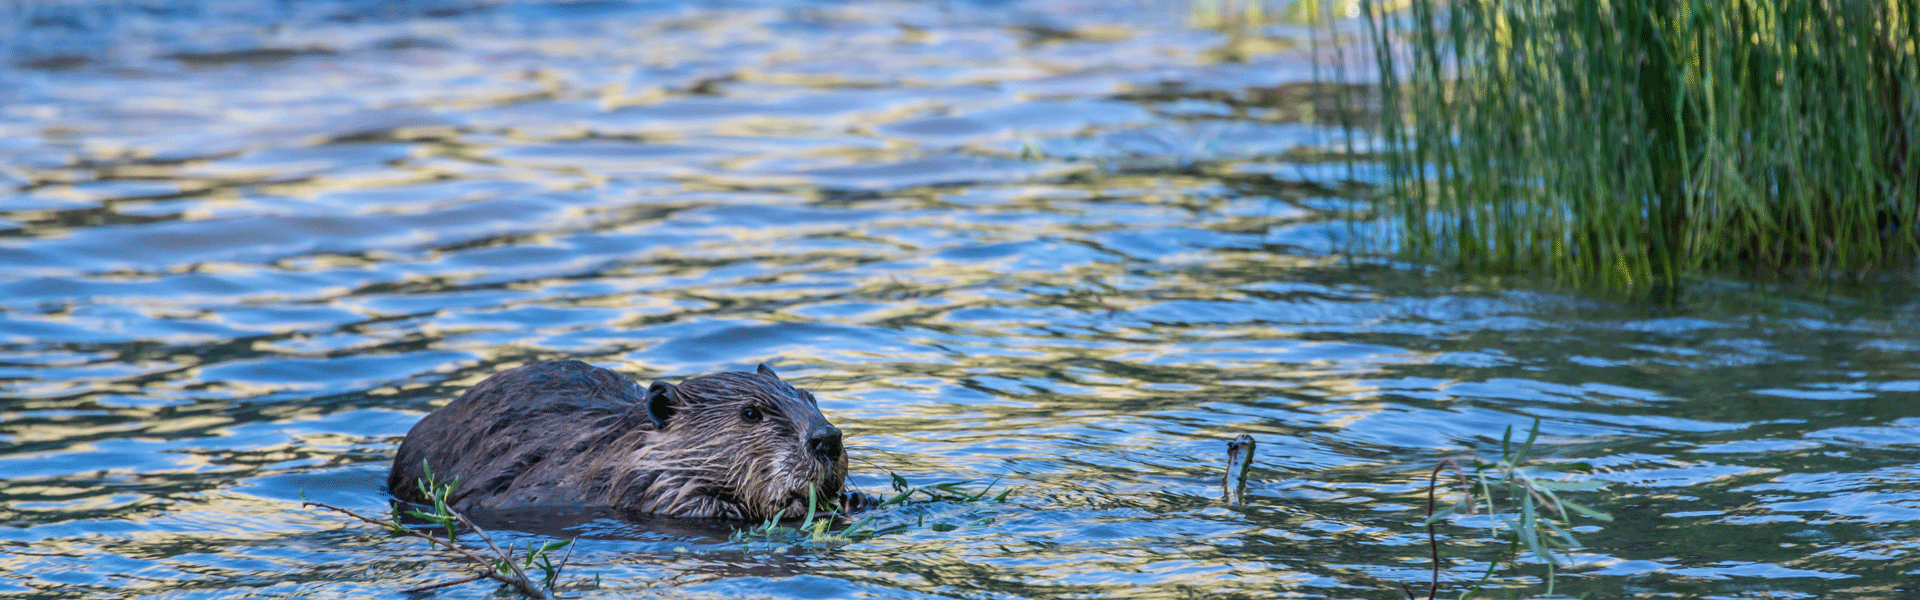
(768, 371)
(661, 397)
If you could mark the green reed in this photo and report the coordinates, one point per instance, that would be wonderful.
(1634, 144)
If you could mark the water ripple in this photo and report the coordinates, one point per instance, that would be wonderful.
(1058, 244)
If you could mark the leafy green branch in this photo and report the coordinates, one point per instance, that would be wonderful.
(502, 566)
(1537, 525)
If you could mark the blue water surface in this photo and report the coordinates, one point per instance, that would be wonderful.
(1070, 246)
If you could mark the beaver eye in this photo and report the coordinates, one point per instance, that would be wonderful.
(750, 414)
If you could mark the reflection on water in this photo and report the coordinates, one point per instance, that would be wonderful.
(1048, 241)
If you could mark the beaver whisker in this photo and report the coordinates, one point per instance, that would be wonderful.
(566, 433)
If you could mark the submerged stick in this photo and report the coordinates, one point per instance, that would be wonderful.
(1433, 485)
(1233, 487)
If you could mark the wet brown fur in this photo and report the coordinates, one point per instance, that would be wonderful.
(565, 433)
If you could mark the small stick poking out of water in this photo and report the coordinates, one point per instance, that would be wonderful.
(1233, 487)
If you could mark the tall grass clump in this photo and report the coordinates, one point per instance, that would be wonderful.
(1635, 144)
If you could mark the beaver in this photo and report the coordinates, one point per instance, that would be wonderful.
(734, 445)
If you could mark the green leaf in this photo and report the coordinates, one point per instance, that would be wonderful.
(1589, 512)
(812, 507)
(1526, 527)
(896, 499)
(856, 526)
(1564, 534)
(1451, 510)
(983, 491)
(1520, 456)
(1565, 467)
(952, 489)
(1506, 443)
(1585, 485)
(942, 527)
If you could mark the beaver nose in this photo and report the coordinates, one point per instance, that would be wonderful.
(825, 443)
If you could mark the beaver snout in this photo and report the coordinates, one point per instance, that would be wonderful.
(824, 441)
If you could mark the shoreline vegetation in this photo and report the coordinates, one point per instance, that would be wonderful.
(1638, 145)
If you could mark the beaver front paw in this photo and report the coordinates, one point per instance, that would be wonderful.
(855, 502)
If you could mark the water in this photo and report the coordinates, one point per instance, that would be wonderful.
(1060, 244)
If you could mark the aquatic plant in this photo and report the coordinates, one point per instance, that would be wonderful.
(1638, 144)
(812, 529)
(502, 566)
(950, 491)
(1537, 517)
(815, 531)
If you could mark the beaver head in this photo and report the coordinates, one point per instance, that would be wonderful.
(736, 445)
